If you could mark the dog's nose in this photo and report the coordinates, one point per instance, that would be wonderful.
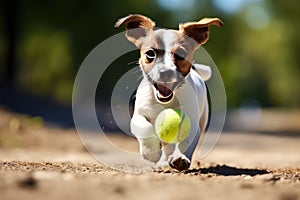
(166, 74)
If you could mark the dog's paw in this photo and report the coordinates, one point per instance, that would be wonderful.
(150, 148)
(152, 156)
(162, 164)
(180, 163)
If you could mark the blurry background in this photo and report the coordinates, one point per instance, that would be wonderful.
(43, 43)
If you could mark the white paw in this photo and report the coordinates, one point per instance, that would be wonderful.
(162, 163)
(150, 148)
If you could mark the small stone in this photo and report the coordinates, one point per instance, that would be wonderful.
(28, 183)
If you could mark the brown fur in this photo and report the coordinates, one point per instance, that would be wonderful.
(139, 30)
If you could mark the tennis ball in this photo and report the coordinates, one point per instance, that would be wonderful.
(172, 125)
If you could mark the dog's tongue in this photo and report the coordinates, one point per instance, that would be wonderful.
(164, 90)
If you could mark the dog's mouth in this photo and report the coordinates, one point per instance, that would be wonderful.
(164, 90)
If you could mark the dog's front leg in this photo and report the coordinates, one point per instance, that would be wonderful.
(183, 152)
(143, 130)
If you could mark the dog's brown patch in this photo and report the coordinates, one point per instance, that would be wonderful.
(154, 40)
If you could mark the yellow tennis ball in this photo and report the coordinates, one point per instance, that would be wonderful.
(172, 125)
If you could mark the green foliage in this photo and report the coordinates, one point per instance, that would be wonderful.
(46, 67)
(256, 50)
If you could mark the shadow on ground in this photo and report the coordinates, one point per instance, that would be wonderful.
(223, 170)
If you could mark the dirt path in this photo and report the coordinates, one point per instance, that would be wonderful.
(62, 180)
(38, 162)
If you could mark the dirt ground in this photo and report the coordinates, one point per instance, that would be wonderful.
(39, 161)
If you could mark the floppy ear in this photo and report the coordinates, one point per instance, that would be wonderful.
(203, 70)
(137, 27)
(199, 31)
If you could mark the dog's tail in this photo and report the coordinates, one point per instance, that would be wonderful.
(203, 70)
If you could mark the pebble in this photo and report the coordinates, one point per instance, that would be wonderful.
(28, 183)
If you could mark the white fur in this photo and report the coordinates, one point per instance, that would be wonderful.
(169, 38)
(191, 97)
(203, 70)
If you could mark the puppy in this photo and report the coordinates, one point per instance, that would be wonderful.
(170, 80)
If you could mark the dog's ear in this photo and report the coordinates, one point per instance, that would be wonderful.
(199, 31)
(203, 70)
(137, 27)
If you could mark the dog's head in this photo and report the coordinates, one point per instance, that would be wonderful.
(166, 55)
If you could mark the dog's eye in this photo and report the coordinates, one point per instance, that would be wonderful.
(180, 54)
(150, 55)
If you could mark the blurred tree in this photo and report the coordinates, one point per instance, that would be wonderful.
(11, 32)
(256, 50)
(46, 67)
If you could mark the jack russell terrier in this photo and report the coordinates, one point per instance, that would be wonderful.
(170, 80)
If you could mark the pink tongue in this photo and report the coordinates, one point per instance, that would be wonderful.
(164, 90)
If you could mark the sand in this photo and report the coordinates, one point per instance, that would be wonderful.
(39, 161)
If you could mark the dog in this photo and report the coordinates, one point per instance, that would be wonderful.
(170, 80)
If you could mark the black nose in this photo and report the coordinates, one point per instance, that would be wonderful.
(166, 74)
